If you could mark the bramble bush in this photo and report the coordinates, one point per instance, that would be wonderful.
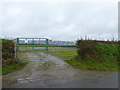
(8, 52)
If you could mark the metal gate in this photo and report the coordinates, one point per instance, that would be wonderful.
(62, 49)
(28, 44)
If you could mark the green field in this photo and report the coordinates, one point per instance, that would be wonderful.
(64, 53)
(106, 60)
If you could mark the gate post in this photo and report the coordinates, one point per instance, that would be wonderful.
(46, 44)
(17, 42)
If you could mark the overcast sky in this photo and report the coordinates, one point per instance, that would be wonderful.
(59, 21)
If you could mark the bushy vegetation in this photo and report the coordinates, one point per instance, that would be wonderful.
(97, 50)
(96, 55)
(9, 62)
(86, 48)
(8, 52)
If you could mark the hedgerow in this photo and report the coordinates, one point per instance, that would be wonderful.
(8, 52)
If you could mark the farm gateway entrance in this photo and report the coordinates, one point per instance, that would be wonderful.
(25, 44)
(62, 49)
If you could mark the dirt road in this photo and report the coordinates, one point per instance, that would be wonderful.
(45, 71)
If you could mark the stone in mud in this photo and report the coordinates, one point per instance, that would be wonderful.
(22, 80)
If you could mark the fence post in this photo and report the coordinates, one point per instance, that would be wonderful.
(15, 48)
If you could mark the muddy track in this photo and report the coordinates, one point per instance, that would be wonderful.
(47, 71)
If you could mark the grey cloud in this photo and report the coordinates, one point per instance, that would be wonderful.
(59, 21)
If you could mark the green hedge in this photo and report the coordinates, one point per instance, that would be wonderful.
(7, 52)
(96, 55)
(90, 49)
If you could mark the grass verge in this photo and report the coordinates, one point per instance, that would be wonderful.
(105, 58)
(13, 67)
(93, 65)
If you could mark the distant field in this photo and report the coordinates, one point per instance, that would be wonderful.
(64, 53)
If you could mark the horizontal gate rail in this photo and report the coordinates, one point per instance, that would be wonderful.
(31, 42)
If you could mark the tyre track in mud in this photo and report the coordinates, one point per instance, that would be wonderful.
(41, 67)
(48, 71)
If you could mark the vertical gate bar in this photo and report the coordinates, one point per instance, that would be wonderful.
(46, 44)
(26, 48)
(39, 44)
(33, 43)
(26, 44)
(17, 48)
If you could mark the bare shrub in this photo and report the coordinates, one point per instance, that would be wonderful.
(86, 48)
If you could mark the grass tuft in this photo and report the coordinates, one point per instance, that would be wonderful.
(13, 67)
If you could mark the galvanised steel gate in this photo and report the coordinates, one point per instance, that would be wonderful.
(62, 49)
(27, 43)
